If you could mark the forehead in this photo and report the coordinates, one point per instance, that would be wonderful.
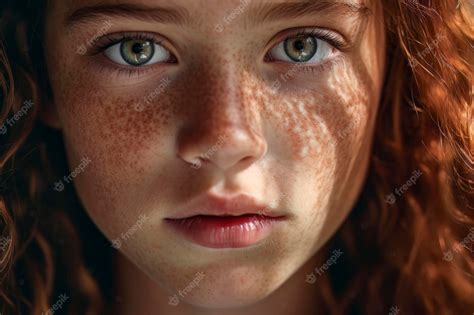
(201, 11)
(197, 3)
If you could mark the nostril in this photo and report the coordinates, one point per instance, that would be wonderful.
(247, 160)
(198, 162)
(235, 148)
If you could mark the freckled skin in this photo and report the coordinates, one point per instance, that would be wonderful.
(309, 141)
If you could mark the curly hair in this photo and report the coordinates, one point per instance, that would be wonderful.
(403, 245)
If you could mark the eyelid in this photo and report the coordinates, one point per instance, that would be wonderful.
(332, 37)
(108, 40)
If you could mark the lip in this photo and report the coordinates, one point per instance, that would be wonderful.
(222, 206)
(217, 222)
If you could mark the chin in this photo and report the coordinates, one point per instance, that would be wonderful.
(219, 287)
(230, 296)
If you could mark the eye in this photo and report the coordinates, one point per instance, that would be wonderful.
(305, 48)
(137, 52)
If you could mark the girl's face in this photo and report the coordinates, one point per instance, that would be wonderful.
(278, 99)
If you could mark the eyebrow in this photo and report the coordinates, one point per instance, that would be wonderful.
(264, 12)
(133, 11)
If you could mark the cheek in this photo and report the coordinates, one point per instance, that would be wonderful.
(322, 115)
(123, 143)
(321, 139)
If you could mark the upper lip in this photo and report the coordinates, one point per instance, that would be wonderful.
(224, 206)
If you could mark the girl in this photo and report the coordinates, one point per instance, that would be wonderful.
(236, 157)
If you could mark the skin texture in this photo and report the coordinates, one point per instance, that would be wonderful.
(303, 148)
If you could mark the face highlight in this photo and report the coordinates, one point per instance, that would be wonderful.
(219, 86)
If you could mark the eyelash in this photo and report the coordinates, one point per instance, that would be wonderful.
(326, 35)
(109, 40)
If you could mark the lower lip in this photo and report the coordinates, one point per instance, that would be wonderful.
(225, 232)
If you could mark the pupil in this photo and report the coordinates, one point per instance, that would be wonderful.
(299, 45)
(301, 49)
(136, 52)
(137, 48)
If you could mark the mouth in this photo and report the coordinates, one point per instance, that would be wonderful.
(225, 231)
(226, 223)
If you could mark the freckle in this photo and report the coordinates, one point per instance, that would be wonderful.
(259, 93)
(301, 108)
(278, 114)
(304, 151)
(286, 123)
(298, 129)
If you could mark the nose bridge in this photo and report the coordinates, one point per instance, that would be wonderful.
(221, 127)
(220, 101)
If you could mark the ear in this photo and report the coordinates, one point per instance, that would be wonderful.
(48, 115)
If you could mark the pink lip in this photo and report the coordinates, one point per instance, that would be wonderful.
(221, 206)
(217, 222)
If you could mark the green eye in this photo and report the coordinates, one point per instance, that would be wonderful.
(309, 47)
(137, 52)
(301, 49)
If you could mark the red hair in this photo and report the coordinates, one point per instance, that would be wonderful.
(409, 254)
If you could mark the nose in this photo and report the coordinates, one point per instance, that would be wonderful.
(223, 130)
(231, 146)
